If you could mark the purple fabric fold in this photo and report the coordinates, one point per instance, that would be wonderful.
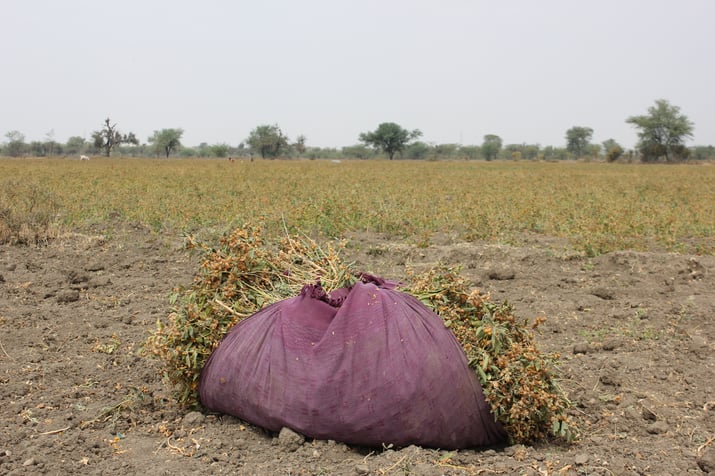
(368, 365)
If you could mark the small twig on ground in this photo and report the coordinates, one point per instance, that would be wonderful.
(6, 354)
(704, 445)
(397, 463)
(52, 432)
(61, 346)
(598, 377)
(182, 451)
(107, 411)
(175, 448)
(604, 469)
(443, 464)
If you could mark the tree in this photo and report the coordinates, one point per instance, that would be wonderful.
(37, 148)
(203, 149)
(612, 149)
(578, 139)
(470, 152)
(50, 145)
(491, 146)
(593, 151)
(703, 152)
(390, 138)
(418, 151)
(166, 141)
(109, 137)
(555, 153)
(445, 151)
(662, 132)
(75, 145)
(16, 143)
(187, 152)
(300, 144)
(267, 140)
(358, 151)
(219, 150)
(134, 150)
(530, 151)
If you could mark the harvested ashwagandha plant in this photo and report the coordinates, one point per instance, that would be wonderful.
(519, 381)
(235, 280)
(243, 274)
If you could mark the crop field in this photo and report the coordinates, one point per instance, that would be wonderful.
(614, 262)
(596, 207)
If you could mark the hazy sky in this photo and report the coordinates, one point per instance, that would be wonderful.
(330, 69)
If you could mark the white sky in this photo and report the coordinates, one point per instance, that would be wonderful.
(330, 69)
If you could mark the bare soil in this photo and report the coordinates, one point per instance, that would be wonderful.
(635, 332)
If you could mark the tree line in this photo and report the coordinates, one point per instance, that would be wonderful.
(662, 133)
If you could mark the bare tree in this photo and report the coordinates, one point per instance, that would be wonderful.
(109, 137)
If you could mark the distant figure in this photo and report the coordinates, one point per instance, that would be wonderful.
(83, 157)
(231, 159)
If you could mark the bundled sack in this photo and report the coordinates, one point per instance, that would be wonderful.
(368, 365)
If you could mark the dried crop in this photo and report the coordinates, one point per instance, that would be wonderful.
(235, 280)
(518, 380)
(244, 274)
(27, 212)
(594, 207)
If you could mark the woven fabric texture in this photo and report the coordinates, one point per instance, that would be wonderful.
(368, 365)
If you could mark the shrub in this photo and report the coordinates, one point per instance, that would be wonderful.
(614, 153)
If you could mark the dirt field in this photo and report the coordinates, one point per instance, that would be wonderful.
(635, 331)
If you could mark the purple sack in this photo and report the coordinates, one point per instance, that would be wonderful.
(367, 365)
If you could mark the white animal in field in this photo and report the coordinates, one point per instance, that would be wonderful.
(83, 157)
